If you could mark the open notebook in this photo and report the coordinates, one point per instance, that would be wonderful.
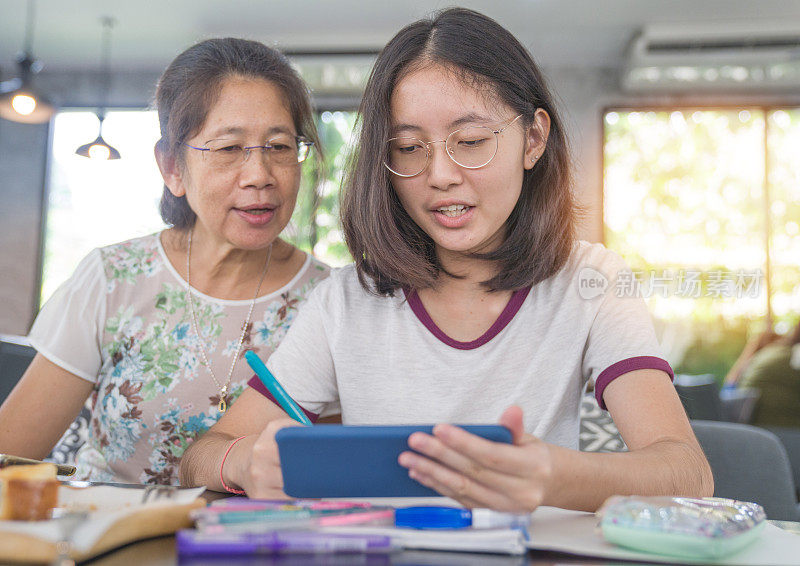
(573, 532)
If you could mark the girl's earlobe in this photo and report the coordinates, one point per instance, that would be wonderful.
(536, 138)
(533, 160)
(532, 154)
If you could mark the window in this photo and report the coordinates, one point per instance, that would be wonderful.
(704, 204)
(783, 134)
(315, 223)
(96, 203)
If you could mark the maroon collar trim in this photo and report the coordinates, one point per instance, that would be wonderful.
(513, 306)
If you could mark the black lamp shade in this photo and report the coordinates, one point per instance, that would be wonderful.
(98, 149)
(21, 102)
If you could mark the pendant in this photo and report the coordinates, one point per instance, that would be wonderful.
(223, 397)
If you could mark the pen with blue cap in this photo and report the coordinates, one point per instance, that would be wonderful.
(433, 517)
(278, 392)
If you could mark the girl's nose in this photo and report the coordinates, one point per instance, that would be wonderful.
(442, 171)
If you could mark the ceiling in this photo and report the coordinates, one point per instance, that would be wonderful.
(149, 33)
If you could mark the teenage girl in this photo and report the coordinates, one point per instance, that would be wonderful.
(470, 300)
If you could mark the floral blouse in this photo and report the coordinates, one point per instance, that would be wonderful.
(122, 321)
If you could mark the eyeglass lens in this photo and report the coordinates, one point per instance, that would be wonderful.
(282, 150)
(471, 147)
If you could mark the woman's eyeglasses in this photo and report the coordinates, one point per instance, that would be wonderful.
(281, 150)
(472, 147)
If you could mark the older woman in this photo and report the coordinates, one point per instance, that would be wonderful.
(154, 329)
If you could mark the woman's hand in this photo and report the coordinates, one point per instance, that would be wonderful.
(259, 469)
(480, 473)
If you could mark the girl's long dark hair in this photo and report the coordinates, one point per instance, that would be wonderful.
(389, 249)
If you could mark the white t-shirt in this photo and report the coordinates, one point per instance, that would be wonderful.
(382, 360)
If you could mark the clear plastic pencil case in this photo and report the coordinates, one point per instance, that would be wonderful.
(679, 526)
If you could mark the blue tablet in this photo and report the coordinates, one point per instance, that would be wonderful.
(356, 461)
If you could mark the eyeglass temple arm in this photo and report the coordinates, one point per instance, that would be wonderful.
(197, 148)
(507, 125)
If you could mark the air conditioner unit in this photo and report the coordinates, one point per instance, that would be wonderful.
(725, 58)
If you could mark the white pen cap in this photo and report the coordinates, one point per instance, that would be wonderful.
(488, 519)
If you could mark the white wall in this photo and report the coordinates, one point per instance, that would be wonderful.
(22, 157)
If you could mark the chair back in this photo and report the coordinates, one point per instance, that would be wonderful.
(700, 396)
(790, 438)
(749, 464)
(598, 432)
(738, 403)
(15, 357)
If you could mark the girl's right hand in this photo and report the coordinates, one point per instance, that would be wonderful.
(259, 473)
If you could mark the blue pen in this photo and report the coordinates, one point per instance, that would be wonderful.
(278, 392)
(433, 517)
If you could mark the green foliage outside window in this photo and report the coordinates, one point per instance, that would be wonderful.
(315, 225)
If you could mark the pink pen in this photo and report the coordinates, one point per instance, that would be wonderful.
(278, 520)
(356, 518)
(254, 504)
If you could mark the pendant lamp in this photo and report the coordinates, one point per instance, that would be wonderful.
(99, 148)
(20, 100)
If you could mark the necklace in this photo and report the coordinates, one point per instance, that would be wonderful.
(223, 389)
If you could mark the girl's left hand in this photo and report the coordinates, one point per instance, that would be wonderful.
(480, 473)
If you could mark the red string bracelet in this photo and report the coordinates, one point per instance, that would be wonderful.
(222, 465)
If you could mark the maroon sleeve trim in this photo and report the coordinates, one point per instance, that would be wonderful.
(613, 371)
(256, 384)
